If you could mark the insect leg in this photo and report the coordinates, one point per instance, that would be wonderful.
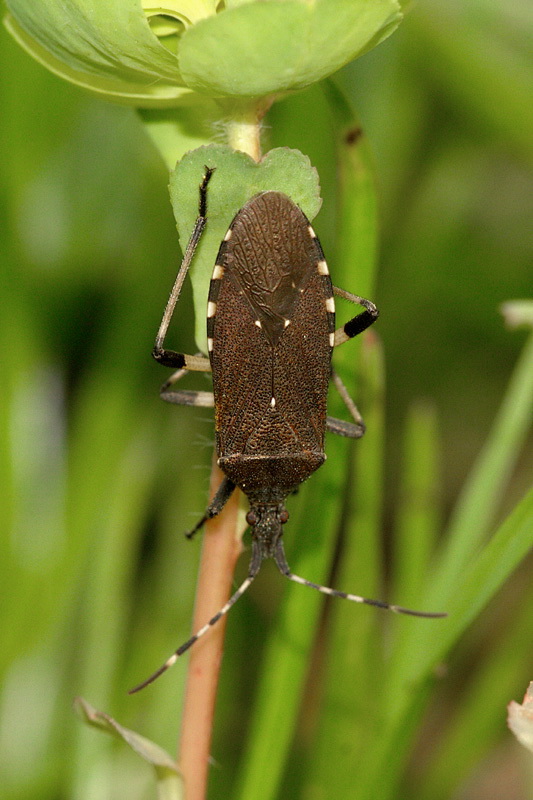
(206, 400)
(169, 357)
(359, 323)
(355, 429)
(223, 494)
(356, 325)
(189, 398)
(186, 397)
(342, 428)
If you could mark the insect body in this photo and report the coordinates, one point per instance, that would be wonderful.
(271, 333)
(271, 328)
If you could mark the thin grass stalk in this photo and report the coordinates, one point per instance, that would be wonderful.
(413, 678)
(478, 503)
(478, 719)
(417, 520)
(468, 589)
(504, 442)
(350, 647)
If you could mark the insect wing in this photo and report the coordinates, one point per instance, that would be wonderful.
(270, 320)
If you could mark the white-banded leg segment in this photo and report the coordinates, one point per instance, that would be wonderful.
(358, 323)
(196, 363)
(169, 357)
(174, 378)
(343, 428)
(203, 630)
(188, 397)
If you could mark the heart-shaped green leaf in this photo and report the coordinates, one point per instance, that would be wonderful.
(236, 179)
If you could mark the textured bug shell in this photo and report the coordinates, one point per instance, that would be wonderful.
(270, 320)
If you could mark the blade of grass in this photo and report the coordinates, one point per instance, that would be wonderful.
(482, 579)
(99, 631)
(480, 716)
(16, 470)
(104, 614)
(479, 500)
(414, 656)
(478, 584)
(417, 520)
(288, 652)
(351, 646)
(357, 210)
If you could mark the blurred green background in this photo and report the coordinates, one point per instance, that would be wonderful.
(98, 477)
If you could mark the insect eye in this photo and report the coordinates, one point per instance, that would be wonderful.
(284, 516)
(252, 518)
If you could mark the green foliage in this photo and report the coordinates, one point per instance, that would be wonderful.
(261, 48)
(98, 478)
(250, 50)
(169, 782)
(106, 47)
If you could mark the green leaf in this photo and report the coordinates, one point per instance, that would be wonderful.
(156, 56)
(175, 131)
(106, 47)
(263, 48)
(170, 784)
(237, 178)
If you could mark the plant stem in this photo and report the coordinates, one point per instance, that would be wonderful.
(221, 549)
(243, 128)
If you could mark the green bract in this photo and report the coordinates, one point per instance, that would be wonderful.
(153, 55)
(168, 776)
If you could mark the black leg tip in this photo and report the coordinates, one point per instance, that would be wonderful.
(168, 358)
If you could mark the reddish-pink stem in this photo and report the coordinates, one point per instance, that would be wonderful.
(221, 549)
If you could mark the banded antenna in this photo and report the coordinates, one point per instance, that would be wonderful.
(281, 562)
